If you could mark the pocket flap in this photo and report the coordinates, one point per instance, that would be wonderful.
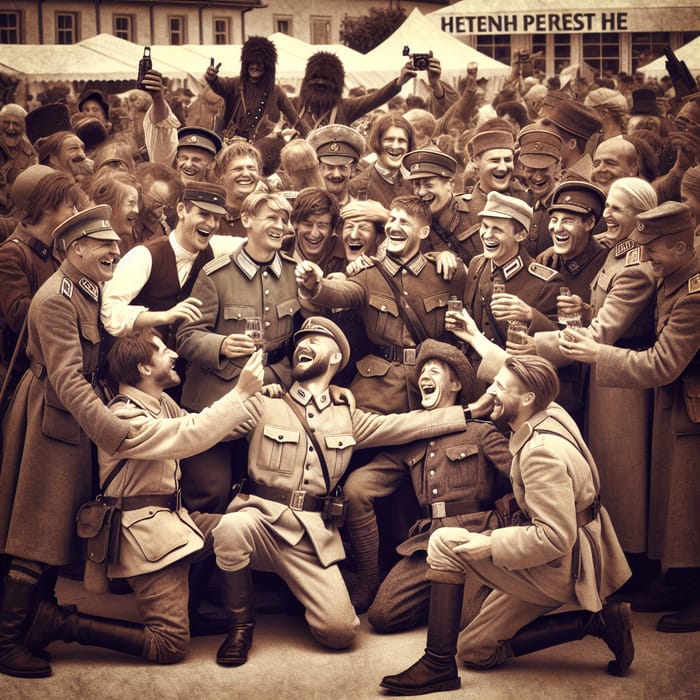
(280, 434)
(91, 517)
(90, 331)
(458, 452)
(238, 312)
(372, 366)
(288, 307)
(435, 301)
(383, 303)
(339, 442)
(154, 533)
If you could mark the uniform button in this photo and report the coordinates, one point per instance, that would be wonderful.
(311, 448)
(404, 272)
(267, 308)
(432, 472)
(306, 482)
(434, 492)
(280, 437)
(239, 315)
(405, 293)
(311, 415)
(308, 466)
(383, 308)
(264, 274)
(462, 455)
(266, 292)
(432, 454)
(432, 443)
(267, 324)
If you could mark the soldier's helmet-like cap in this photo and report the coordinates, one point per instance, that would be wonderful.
(89, 223)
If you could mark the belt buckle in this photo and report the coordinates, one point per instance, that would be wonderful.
(296, 501)
(438, 509)
(409, 356)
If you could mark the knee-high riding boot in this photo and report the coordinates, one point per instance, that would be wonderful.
(613, 625)
(364, 541)
(436, 669)
(237, 592)
(52, 622)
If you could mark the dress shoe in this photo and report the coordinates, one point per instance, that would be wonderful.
(686, 620)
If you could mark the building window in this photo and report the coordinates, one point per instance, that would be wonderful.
(222, 30)
(283, 24)
(320, 30)
(602, 53)
(495, 45)
(646, 46)
(124, 27)
(10, 27)
(67, 28)
(176, 27)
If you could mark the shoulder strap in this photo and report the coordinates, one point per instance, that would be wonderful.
(408, 315)
(111, 476)
(309, 434)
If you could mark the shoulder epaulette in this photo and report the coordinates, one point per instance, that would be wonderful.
(694, 284)
(216, 264)
(67, 288)
(633, 257)
(541, 271)
(623, 247)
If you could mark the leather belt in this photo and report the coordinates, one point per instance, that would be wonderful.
(156, 500)
(446, 509)
(296, 500)
(391, 353)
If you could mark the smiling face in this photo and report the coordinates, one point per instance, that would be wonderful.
(501, 238)
(618, 215)
(495, 169)
(613, 159)
(95, 258)
(570, 232)
(11, 129)
(435, 191)
(404, 234)
(92, 108)
(359, 238)
(541, 181)
(71, 158)
(193, 163)
(509, 395)
(240, 178)
(125, 210)
(162, 365)
(666, 257)
(335, 178)
(265, 230)
(313, 355)
(438, 384)
(195, 226)
(313, 234)
(394, 145)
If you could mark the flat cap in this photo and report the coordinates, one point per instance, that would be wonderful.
(574, 118)
(89, 223)
(668, 219)
(26, 183)
(539, 147)
(97, 96)
(578, 198)
(337, 144)
(488, 140)
(432, 349)
(47, 120)
(207, 196)
(429, 162)
(199, 137)
(644, 102)
(502, 206)
(324, 326)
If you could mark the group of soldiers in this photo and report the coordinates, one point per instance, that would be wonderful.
(286, 338)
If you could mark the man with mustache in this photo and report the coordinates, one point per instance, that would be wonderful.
(282, 519)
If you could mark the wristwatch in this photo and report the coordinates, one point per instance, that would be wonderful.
(467, 413)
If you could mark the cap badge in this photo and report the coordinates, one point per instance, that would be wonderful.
(567, 198)
(334, 146)
(640, 226)
(193, 139)
(537, 146)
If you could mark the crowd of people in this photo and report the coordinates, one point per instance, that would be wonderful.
(430, 359)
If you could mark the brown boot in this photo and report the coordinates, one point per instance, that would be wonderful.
(364, 543)
(237, 592)
(16, 607)
(437, 669)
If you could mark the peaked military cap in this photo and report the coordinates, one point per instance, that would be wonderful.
(579, 198)
(539, 148)
(324, 326)
(199, 137)
(429, 162)
(207, 196)
(668, 219)
(337, 144)
(89, 223)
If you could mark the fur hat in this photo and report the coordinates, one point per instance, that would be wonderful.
(432, 349)
(258, 49)
(324, 64)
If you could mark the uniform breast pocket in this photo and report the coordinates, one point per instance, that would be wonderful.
(279, 451)
(464, 465)
(604, 280)
(339, 448)
(90, 341)
(235, 316)
(384, 315)
(435, 306)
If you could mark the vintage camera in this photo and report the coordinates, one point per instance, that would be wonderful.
(335, 509)
(419, 61)
(145, 65)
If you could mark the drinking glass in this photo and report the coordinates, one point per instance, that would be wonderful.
(254, 330)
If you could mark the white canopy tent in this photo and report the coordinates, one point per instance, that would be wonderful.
(423, 34)
(689, 54)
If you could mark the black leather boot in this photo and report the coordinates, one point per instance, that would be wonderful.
(612, 625)
(213, 619)
(16, 607)
(237, 592)
(52, 622)
(436, 669)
